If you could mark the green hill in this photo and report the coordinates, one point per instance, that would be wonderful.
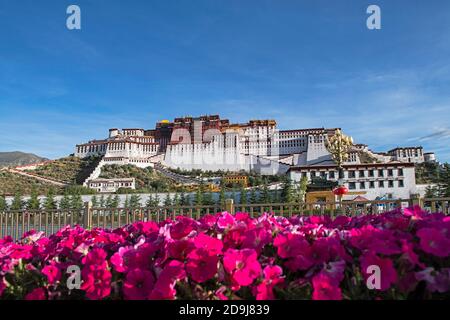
(17, 158)
(10, 183)
(70, 169)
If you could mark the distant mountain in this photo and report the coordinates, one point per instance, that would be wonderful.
(17, 158)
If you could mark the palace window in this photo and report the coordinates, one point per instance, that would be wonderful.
(381, 173)
(401, 183)
(381, 184)
(371, 184)
(400, 172)
(352, 185)
(362, 174)
(351, 174)
(390, 183)
(371, 173)
(362, 185)
(390, 172)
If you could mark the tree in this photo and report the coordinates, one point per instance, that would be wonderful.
(265, 193)
(253, 196)
(109, 202)
(198, 200)
(301, 187)
(431, 192)
(135, 201)
(184, 199)
(176, 200)
(3, 204)
(208, 199)
(33, 203)
(64, 203)
(222, 196)
(102, 202)
(94, 201)
(287, 194)
(242, 195)
(149, 203)
(156, 200)
(126, 204)
(76, 202)
(17, 203)
(115, 201)
(49, 202)
(167, 200)
(444, 181)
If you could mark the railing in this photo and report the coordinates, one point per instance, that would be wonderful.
(15, 223)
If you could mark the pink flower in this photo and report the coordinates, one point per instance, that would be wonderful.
(165, 285)
(210, 244)
(371, 239)
(290, 245)
(96, 282)
(256, 238)
(434, 242)
(242, 265)
(52, 273)
(121, 259)
(96, 256)
(202, 265)
(437, 281)
(182, 228)
(325, 288)
(388, 274)
(138, 284)
(297, 249)
(37, 294)
(335, 271)
(225, 220)
(179, 249)
(272, 278)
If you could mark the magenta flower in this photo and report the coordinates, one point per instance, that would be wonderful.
(325, 288)
(225, 220)
(242, 265)
(437, 281)
(96, 256)
(256, 238)
(138, 284)
(202, 265)
(96, 282)
(52, 273)
(210, 244)
(37, 294)
(165, 284)
(272, 278)
(434, 242)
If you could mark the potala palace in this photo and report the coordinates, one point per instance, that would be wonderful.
(211, 143)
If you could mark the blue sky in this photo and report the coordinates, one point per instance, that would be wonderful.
(305, 63)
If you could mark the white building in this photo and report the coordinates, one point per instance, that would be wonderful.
(393, 180)
(211, 143)
(111, 185)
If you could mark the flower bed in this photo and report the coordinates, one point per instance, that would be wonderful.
(237, 257)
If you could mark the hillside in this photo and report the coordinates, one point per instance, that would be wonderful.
(17, 158)
(70, 169)
(11, 183)
(147, 180)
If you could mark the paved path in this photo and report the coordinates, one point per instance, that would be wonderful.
(48, 180)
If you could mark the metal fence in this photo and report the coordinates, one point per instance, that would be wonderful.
(15, 223)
